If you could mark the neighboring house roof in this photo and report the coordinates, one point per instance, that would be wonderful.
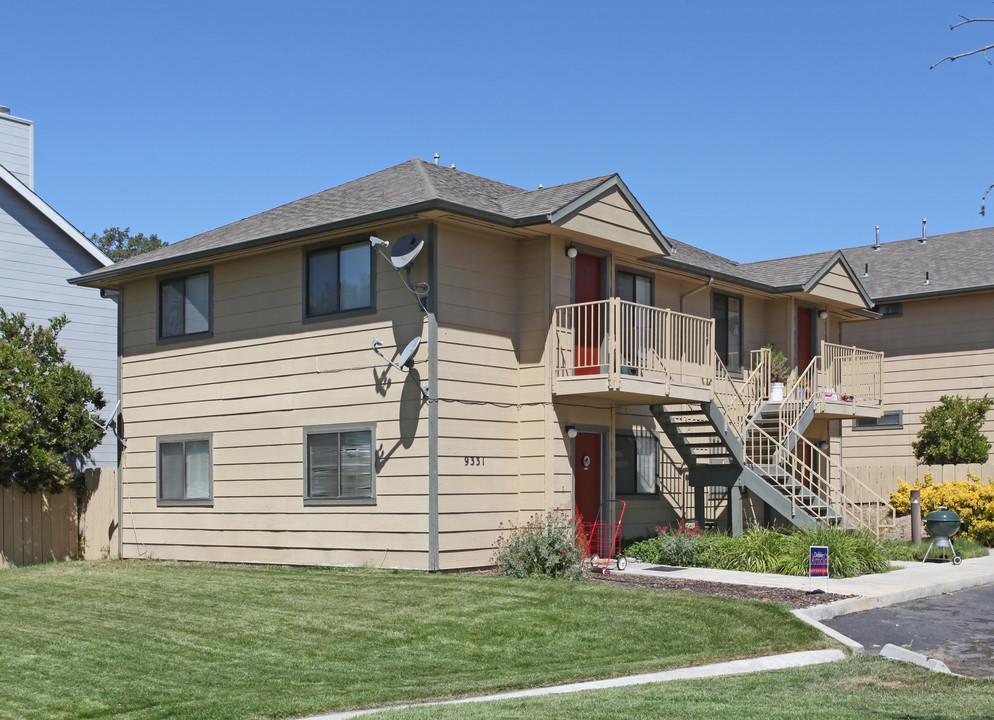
(955, 263)
(46, 210)
(412, 186)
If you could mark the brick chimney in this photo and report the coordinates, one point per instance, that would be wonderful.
(17, 146)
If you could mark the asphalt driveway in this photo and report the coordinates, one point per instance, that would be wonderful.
(957, 628)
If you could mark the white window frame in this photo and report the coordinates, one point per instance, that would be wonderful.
(340, 500)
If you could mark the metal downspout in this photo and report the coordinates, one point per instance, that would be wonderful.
(696, 290)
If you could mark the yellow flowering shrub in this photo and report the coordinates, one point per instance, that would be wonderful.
(971, 499)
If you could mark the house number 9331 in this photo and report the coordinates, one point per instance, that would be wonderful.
(472, 460)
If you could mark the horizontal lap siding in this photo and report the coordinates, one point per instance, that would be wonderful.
(263, 377)
(836, 285)
(36, 260)
(939, 346)
(478, 388)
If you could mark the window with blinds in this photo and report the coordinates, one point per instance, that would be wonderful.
(339, 465)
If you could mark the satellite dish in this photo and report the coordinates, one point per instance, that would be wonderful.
(406, 249)
(406, 359)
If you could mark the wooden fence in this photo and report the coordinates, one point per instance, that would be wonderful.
(41, 527)
(883, 478)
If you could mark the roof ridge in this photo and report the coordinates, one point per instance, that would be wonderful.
(423, 178)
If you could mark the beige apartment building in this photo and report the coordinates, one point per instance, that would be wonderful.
(388, 371)
(935, 296)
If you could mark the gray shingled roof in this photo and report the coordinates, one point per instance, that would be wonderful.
(787, 272)
(408, 187)
(955, 262)
(779, 275)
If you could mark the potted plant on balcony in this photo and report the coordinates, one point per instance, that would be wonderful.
(779, 373)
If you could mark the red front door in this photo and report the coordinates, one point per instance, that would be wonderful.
(587, 475)
(805, 336)
(587, 288)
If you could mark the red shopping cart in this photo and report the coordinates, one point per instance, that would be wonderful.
(602, 537)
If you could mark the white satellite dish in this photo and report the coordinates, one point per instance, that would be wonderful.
(406, 249)
(406, 359)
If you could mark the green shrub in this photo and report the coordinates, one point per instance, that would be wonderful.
(545, 545)
(764, 550)
(676, 545)
(850, 552)
(952, 434)
(645, 550)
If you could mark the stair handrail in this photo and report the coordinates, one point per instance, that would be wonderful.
(833, 484)
(756, 386)
(758, 444)
(800, 395)
(727, 396)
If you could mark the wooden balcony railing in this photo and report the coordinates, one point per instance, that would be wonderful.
(618, 338)
(849, 374)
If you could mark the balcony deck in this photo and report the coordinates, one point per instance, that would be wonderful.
(632, 354)
(631, 390)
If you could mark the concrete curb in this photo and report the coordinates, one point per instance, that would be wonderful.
(732, 667)
(893, 652)
(872, 602)
(854, 647)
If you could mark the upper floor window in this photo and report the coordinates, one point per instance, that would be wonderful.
(634, 287)
(727, 313)
(887, 310)
(185, 306)
(184, 465)
(339, 279)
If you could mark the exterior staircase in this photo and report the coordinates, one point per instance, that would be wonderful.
(740, 439)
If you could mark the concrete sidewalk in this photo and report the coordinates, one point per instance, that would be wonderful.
(912, 581)
(732, 667)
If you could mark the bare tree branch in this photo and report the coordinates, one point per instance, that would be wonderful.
(970, 20)
(983, 50)
(951, 58)
(984, 198)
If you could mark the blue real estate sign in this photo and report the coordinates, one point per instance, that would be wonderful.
(818, 561)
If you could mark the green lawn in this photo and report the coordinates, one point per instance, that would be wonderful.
(165, 640)
(861, 687)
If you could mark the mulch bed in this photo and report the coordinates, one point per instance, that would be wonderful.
(792, 598)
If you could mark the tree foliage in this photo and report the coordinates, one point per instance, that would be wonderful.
(46, 407)
(118, 244)
(951, 432)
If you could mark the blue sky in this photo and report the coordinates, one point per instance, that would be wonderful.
(753, 130)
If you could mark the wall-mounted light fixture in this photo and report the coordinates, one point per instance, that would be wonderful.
(824, 445)
(571, 252)
(571, 431)
(823, 314)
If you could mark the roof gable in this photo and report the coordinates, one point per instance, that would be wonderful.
(7, 177)
(609, 210)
